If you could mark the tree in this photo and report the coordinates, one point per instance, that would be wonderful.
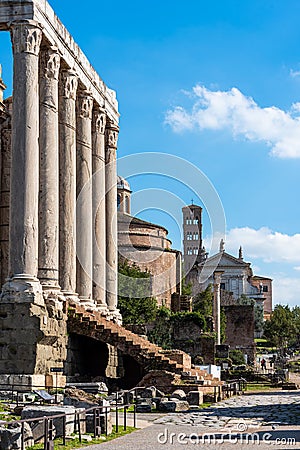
(134, 300)
(203, 302)
(281, 329)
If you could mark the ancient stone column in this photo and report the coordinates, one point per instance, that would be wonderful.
(111, 217)
(84, 212)
(26, 38)
(5, 147)
(67, 183)
(99, 222)
(217, 305)
(49, 168)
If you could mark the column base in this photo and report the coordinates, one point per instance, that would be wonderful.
(88, 303)
(22, 288)
(115, 316)
(102, 309)
(71, 297)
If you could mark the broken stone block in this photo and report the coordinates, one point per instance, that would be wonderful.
(180, 394)
(143, 407)
(147, 392)
(173, 405)
(11, 437)
(195, 398)
(32, 412)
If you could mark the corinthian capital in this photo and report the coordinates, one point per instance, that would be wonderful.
(99, 120)
(50, 62)
(85, 105)
(112, 131)
(69, 83)
(26, 37)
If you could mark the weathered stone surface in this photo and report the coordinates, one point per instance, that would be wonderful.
(103, 422)
(163, 379)
(31, 412)
(84, 196)
(49, 168)
(67, 186)
(195, 398)
(11, 438)
(143, 407)
(147, 392)
(173, 405)
(180, 394)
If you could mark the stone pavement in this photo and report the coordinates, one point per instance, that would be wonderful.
(260, 421)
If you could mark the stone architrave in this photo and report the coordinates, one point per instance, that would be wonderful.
(67, 183)
(99, 222)
(112, 131)
(84, 197)
(49, 169)
(26, 38)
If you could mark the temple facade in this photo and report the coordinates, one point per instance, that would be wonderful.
(58, 191)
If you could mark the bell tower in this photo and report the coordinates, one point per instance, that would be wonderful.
(124, 194)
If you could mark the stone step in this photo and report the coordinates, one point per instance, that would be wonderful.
(130, 343)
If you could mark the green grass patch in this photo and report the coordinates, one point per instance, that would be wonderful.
(258, 387)
(75, 443)
(205, 405)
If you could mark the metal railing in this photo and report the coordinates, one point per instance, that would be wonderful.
(233, 387)
(78, 416)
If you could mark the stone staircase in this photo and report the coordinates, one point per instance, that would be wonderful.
(150, 356)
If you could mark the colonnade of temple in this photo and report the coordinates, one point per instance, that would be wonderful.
(60, 137)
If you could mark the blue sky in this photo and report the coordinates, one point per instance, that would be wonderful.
(218, 84)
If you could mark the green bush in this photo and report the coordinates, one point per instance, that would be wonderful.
(237, 357)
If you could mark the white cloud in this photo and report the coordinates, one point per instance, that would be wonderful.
(218, 110)
(265, 244)
(297, 268)
(294, 73)
(286, 290)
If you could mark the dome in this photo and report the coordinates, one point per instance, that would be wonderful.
(122, 183)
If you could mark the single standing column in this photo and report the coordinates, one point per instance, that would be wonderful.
(67, 183)
(26, 38)
(49, 168)
(217, 305)
(84, 212)
(5, 148)
(99, 222)
(111, 218)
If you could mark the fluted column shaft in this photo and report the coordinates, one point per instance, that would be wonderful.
(26, 39)
(49, 168)
(67, 182)
(111, 216)
(99, 222)
(84, 196)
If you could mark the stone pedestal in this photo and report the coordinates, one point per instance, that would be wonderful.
(33, 338)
